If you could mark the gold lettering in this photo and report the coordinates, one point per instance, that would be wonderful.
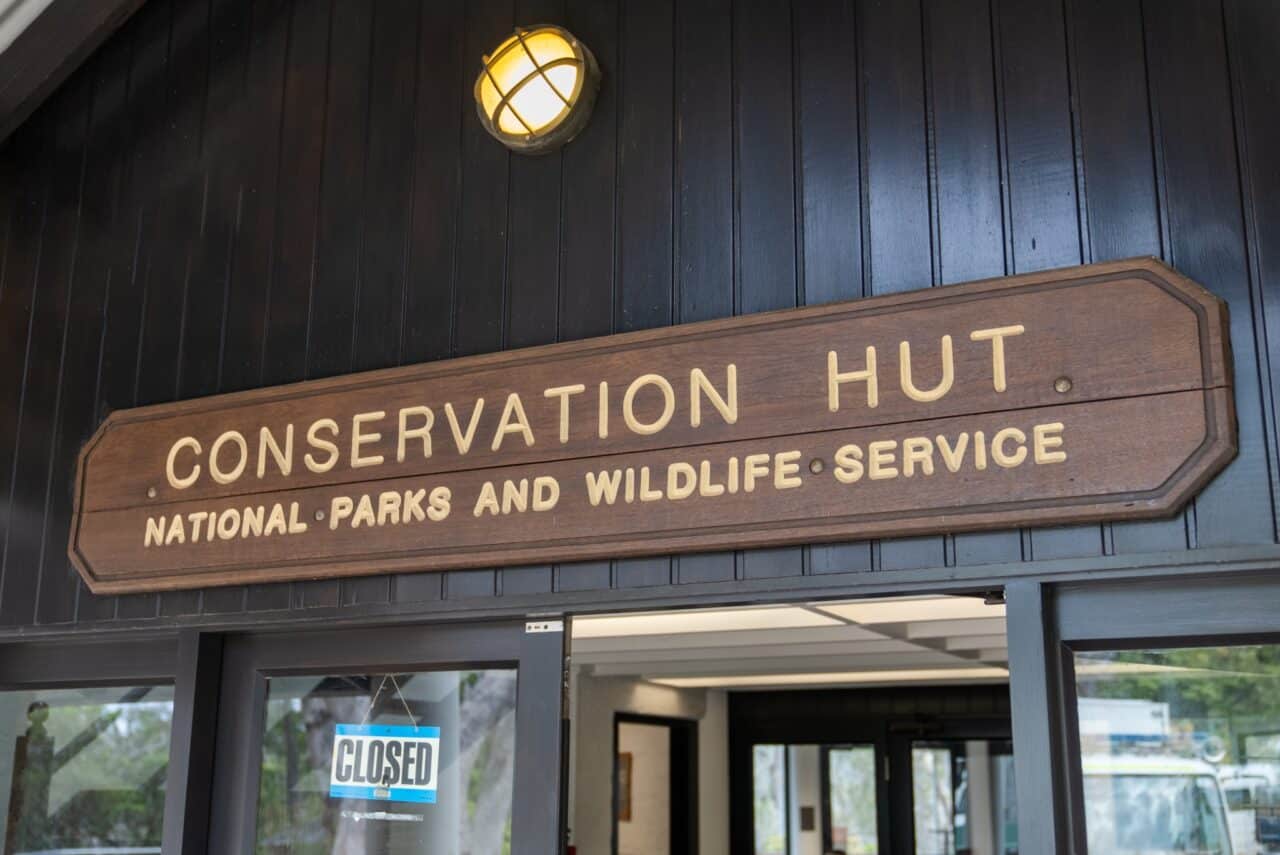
(359, 438)
(785, 469)
(422, 432)
(155, 532)
(647, 494)
(1047, 437)
(700, 385)
(754, 466)
(849, 468)
(944, 385)
(325, 445)
(603, 486)
(506, 425)
(186, 481)
(283, 457)
(460, 439)
(177, 533)
(251, 521)
(389, 508)
(411, 506)
(546, 493)
(224, 477)
(997, 335)
(563, 393)
(1002, 457)
(835, 377)
(668, 404)
(339, 509)
(682, 481)
(364, 513)
(487, 501)
(228, 524)
(275, 521)
(953, 457)
(917, 450)
(707, 487)
(515, 497)
(296, 525)
(880, 463)
(439, 503)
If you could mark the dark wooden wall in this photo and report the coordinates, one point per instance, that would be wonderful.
(232, 194)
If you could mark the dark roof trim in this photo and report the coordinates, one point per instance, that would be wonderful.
(48, 50)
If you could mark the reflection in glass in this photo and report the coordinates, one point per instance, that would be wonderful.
(963, 797)
(475, 712)
(769, 779)
(1180, 750)
(82, 770)
(851, 777)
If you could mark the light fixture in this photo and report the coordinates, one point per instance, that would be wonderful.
(840, 678)
(536, 90)
(698, 620)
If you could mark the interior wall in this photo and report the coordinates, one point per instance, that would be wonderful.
(647, 831)
(596, 701)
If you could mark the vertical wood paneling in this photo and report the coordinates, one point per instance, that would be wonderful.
(1039, 147)
(297, 208)
(105, 226)
(766, 239)
(588, 228)
(340, 229)
(827, 79)
(1252, 25)
(480, 299)
(704, 173)
(1109, 69)
(1193, 98)
(258, 161)
(646, 250)
(967, 196)
(895, 144)
(41, 408)
(440, 99)
(236, 193)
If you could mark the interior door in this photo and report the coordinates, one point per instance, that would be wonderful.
(442, 740)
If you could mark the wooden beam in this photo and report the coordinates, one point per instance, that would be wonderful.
(49, 49)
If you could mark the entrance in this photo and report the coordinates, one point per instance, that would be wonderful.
(878, 727)
(381, 741)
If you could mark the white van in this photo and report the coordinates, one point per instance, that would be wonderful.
(1154, 806)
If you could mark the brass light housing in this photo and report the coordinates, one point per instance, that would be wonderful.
(536, 90)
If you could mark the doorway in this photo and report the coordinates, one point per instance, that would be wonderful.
(655, 796)
(874, 726)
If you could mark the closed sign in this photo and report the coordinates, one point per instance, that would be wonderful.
(386, 762)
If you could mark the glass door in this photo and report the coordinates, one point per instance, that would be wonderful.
(406, 740)
(815, 798)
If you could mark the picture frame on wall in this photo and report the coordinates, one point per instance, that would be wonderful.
(623, 786)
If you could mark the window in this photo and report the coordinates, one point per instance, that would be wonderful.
(1179, 749)
(325, 729)
(83, 770)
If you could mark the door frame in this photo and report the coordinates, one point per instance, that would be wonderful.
(537, 649)
(683, 787)
(1049, 623)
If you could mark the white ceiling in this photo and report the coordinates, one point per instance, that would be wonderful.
(900, 640)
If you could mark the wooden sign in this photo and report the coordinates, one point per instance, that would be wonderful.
(1087, 394)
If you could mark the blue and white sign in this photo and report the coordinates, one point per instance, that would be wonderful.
(394, 763)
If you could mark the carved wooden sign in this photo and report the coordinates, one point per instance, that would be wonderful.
(1092, 393)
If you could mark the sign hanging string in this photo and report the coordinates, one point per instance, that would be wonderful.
(374, 700)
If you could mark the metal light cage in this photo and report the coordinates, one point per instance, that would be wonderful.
(575, 106)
